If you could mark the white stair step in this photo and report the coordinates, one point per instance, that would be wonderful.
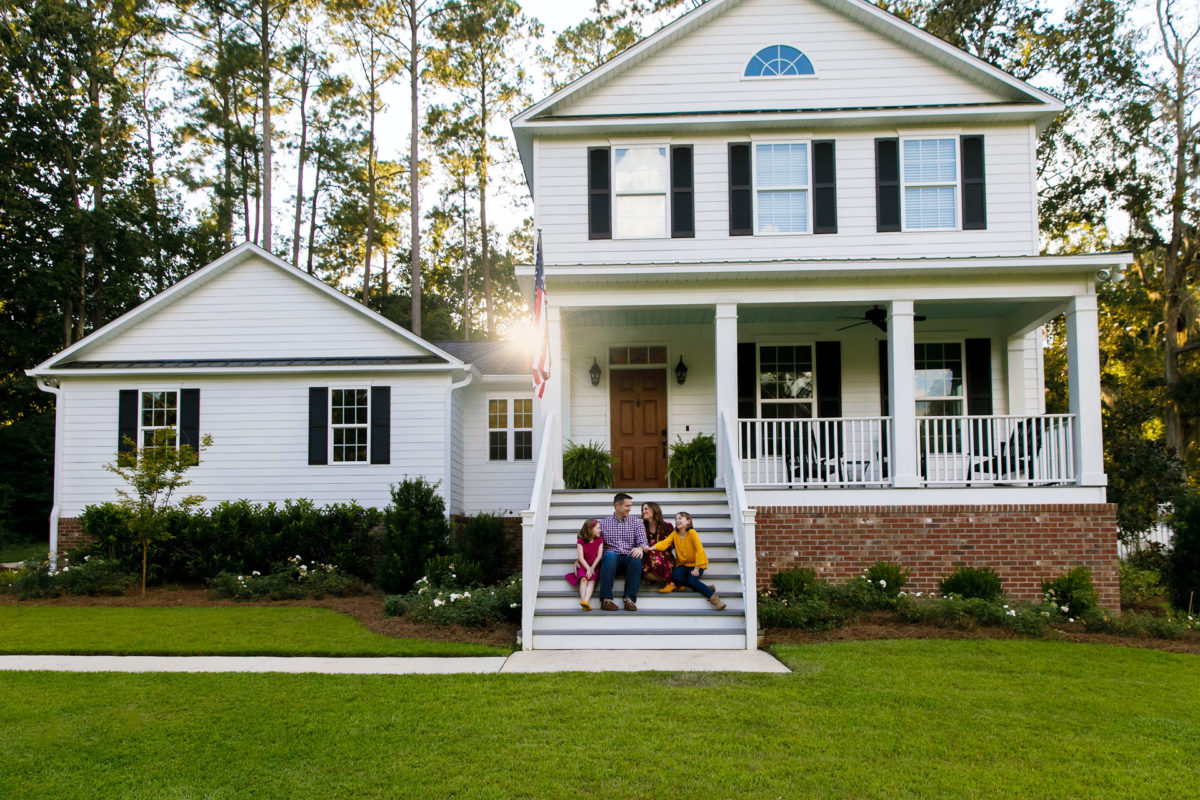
(710, 641)
(646, 593)
(609, 622)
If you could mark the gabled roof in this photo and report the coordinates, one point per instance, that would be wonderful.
(553, 113)
(74, 359)
(491, 358)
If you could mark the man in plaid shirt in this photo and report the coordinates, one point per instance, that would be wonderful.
(624, 540)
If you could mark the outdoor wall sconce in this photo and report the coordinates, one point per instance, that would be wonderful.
(594, 372)
(681, 371)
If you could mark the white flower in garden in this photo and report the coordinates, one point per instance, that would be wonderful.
(512, 605)
(883, 583)
(1064, 609)
(437, 601)
(66, 569)
(87, 558)
(920, 593)
(1045, 613)
(256, 574)
(1070, 619)
(1006, 605)
(467, 595)
(1012, 612)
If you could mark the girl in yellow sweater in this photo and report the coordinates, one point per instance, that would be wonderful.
(690, 560)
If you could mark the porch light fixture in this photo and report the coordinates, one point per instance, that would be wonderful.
(594, 372)
(681, 371)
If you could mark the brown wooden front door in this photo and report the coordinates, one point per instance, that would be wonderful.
(639, 427)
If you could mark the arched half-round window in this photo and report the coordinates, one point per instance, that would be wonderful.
(778, 61)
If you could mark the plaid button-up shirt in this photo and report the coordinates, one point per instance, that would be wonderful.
(622, 535)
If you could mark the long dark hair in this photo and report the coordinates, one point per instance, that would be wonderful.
(656, 519)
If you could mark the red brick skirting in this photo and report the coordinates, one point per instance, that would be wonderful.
(1023, 543)
(70, 534)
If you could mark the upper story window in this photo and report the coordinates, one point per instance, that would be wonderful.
(929, 178)
(781, 185)
(778, 61)
(640, 191)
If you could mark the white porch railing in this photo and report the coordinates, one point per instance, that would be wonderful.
(743, 517)
(851, 451)
(534, 522)
(1010, 450)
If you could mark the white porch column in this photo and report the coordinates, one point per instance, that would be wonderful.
(726, 372)
(1083, 378)
(1015, 365)
(902, 394)
(557, 395)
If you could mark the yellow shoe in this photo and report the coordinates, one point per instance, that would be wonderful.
(586, 606)
(670, 587)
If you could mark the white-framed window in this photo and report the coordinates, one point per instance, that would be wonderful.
(158, 409)
(778, 61)
(641, 175)
(781, 187)
(349, 425)
(786, 381)
(510, 429)
(929, 183)
(939, 379)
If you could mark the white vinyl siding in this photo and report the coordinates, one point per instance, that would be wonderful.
(259, 456)
(562, 208)
(494, 487)
(929, 183)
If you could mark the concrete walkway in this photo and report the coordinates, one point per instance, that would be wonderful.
(532, 661)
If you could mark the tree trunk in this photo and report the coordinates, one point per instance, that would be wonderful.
(483, 228)
(366, 290)
(414, 177)
(303, 156)
(466, 267)
(312, 223)
(265, 13)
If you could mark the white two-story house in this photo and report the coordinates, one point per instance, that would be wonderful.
(829, 217)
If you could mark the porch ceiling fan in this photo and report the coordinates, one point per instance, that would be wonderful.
(876, 316)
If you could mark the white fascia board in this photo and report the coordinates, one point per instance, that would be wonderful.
(40, 372)
(211, 271)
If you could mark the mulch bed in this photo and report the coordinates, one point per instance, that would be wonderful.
(368, 609)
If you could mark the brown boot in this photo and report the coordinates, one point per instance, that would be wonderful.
(717, 602)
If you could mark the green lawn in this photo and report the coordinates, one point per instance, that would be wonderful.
(206, 631)
(16, 553)
(888, 719)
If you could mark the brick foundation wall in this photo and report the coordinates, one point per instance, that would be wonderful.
(510, 551)
(1023, 543)
(70, 534)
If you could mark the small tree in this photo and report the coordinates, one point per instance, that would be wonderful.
(154, 474)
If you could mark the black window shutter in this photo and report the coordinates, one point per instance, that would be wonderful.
(747, 389)
(974, 194)
(979, 377)
(884, 386)
(887, 184)
(683, 214)
(189, 418)
(127, 420)
(829, 379)
(741, 199)
(318, 425)
(381, 424)
(824, 187)
(599, 194)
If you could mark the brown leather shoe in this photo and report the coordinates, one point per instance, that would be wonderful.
(717, 602)
(608, 605)
(630, 605)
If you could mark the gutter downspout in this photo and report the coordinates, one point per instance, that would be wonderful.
(450, 435)
(51, 386)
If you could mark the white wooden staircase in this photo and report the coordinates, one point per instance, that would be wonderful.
(681, 620)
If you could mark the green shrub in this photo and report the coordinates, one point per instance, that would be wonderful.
(693, 465)
(415, 531)
(951, 612)
(1182, 575)
(477, 607)
(480, 539)
(1072, 592)
(292, 580)
(452, 572)
(805, 612)
(1139, 586)
(888, 576)
(587, 466)
(794, 582)
(973, 582)
(89, 575)
(860, 594)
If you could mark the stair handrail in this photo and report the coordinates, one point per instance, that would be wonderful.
(743, 518)
(534, 523)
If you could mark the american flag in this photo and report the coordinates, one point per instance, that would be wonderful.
(540, 362)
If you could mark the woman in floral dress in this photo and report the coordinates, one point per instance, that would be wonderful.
(656, 564)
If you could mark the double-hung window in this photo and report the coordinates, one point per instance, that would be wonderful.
(786, 381)
(510, 429)
(781, 187)
(349, 423)
(939, 379)
(640, 187)
(929, 181)
(159, 411)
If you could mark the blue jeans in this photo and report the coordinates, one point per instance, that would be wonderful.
(609, 563)
(682, 576)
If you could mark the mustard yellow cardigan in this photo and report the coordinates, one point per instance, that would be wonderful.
(688, 550)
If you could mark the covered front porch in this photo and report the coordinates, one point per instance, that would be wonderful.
(873, 395)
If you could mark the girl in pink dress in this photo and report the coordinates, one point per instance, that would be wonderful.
(589, 547)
